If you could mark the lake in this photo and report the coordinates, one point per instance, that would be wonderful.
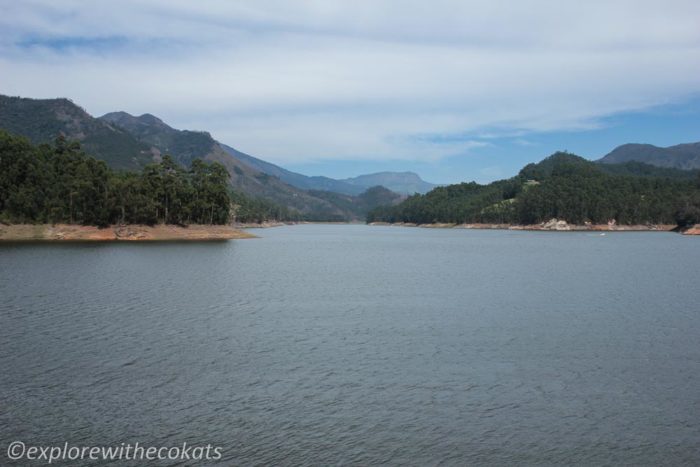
(350, 344)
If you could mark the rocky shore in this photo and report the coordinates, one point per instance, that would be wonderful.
(557, 225)
(138, 233)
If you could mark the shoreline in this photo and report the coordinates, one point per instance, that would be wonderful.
(553, 225)
(118, 233)
(261, 225)
(269, 224)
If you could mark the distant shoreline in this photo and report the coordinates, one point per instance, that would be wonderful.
(129, 233)
(268, 224)
(203, 233)
(553, 226)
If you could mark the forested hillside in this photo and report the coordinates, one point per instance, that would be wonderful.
(563, 186)
(42, 120)
(61, 184)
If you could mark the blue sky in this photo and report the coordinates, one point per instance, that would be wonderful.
(453, 90)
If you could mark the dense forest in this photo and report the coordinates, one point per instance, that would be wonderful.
(60, 184)
(563, 186)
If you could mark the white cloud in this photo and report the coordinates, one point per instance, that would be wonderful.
(310, 80)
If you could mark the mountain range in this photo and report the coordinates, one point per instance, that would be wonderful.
(406, 183)
(128, 142)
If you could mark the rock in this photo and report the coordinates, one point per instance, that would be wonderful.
(555, 224)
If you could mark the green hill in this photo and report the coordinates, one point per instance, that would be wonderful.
(183, 145)
(562, 186)
(42, 120)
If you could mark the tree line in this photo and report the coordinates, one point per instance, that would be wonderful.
(563, 186)
(59, 183)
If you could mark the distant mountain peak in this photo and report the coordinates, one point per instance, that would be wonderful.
(399, 182)
(131, 122)
(150, 118)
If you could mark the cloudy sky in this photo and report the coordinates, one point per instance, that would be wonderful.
(455, 90)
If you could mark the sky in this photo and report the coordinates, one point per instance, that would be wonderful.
(453, 90)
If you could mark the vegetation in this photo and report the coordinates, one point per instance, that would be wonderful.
(183, 145)
(358, 206)
(60, 184)
(249, 210)
(42, 120)
(688, 213)
(640, 169)
(563, 186)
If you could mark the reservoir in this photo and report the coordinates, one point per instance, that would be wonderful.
(359, 345)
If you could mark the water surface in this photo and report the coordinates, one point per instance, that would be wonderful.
(348, 344)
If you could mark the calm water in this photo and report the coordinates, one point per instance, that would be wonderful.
(360, 345)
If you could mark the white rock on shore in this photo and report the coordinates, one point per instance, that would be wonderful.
(555, 224)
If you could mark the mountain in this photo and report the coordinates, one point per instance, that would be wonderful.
(127, 142)
(314, 197)
(401, 182)
(296, 179)
(186, 145)
(43, 120)
(183, 145)
(681, 156)
(359, 206)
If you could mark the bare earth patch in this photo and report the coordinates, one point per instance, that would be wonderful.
(694, 230)
(65, 232)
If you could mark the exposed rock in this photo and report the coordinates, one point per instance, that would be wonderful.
(555, 224)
